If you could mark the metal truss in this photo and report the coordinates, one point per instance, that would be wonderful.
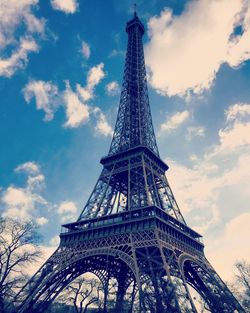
(131, 180)
(131, 228)
(161, 272)
(134, 125)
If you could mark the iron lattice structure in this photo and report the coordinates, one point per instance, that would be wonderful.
(131, 228)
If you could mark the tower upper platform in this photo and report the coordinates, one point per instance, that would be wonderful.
(135, 22)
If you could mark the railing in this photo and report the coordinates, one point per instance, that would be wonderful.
(130, 216)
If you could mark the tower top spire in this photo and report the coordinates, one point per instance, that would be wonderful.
(134, 125)
(135, 9)
(135, 21)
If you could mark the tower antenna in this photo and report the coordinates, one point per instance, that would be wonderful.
(135, 9)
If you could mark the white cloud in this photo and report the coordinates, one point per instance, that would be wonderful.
(85, 50)
(68, 218)
(231, 246)
(16, 197)
(46, 95)
(235, 136)
(239, 175)
(95, 75)
(54, 241)
(235, 133)
(18, 15)
(67, 6)
(200, 189)
(193, 131)
(41, 220)
(28, 167)
(102, 126)
(238, 111)
(84, 93)
(194, 187)
(77, 113)
(112, 88)
(174, 121)
(18, 58)
(20, 202)
(67, 210)
(13, 12)
(206, 190)
(35, 182)
(191, 47)
(49, 99)
(24, 202)
(67, 207)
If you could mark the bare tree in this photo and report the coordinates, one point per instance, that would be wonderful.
(87, 290)
(242, 283)
(18, 248)
(81, 293)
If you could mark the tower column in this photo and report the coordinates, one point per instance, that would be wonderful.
(119, 305)
(121, 290)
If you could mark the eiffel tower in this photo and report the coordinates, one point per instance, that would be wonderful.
(131, 228)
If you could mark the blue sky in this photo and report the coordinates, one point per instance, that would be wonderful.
(61, 68)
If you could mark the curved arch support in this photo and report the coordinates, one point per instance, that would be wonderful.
(200, 275)
(93, 260)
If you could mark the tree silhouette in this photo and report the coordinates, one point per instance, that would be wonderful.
(18, 248)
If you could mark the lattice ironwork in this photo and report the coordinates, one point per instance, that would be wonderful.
(131, 228)
(134, 123)
(130, 180)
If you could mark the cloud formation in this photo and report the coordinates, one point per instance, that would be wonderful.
(18, 58)
(223, 169)
(46, 95)
(66, 6)
(20, 31)
(28, 167)
(235, 134)
(94, 77)
(195, 131)
(77, 109)
(41, 220)
(85, 49)
(25, 202)
(185, 52)
(67, 210)
(102, 126)
(231, 244)
(77, 113)
(54, 241)
(174, 121)
(75, 102)
(112, 88)
(238, 110)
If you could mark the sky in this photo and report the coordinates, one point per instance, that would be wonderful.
(61, 68)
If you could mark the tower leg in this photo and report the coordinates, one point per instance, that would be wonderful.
(133, 296)
(106, 291)
(119, 305)
(210, 287)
